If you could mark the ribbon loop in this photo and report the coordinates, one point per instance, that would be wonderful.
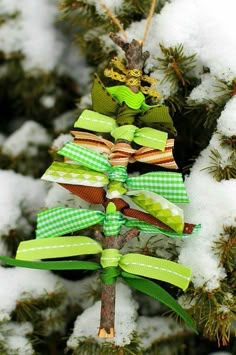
(112, 223)
(117, 173)
(146, 136)
(95, 121)
(110, 257)
(109, 275)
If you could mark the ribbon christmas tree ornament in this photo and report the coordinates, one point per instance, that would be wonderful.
(96, 169)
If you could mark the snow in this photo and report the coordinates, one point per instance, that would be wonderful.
(33, 32)
(18, 206)
(60, 141)
(87, 324)
(64, 122)
(26, 140)
(202, 26)
(14, 336)
(213, 205)
(150, 329)
(24, 283)
(227, 121)
(83, 292)
(59, 196)
(208, 89)
(48, 101)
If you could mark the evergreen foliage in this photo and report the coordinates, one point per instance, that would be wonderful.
(22, 98)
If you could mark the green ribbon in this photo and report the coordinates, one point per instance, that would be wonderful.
(109, 103)
(58, 221)
(137, 264)
(147, 137)
(141, 284)
(168, 184)
(61, 220)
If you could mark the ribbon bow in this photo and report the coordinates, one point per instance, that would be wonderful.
(146, 136)
(137, 264)
(121, 153)
(164, 210)
(61, 220)
(127, 107)
(113, 264)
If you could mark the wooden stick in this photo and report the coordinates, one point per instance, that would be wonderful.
(113, 18)
(151, 11)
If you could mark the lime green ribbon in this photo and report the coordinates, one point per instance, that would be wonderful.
(137, 264)
(146, 136)
(139, 283)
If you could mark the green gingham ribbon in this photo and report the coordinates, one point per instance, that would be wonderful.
(146, 136)
(168, 184)
(61, 220)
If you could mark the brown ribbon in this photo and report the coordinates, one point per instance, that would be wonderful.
(97, 195)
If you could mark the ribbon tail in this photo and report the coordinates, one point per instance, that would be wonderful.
(60, 247)
(85, 157)
(52, 265)
(58, 221)
(167, 184)
(156, 268)
(160, 208)
(155, 291)
(91, 194)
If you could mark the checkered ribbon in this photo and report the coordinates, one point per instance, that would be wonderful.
(168, 184)
(57, 221)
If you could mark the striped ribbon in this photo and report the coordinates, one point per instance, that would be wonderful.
(170, 185)
(121, 153)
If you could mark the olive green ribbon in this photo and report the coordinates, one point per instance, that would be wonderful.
(126, 111)
(146, 136)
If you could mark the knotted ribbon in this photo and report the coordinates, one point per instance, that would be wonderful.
(121, 153)
(58, 221)
(168, 213)
(127, 107)
(146, 136)
(132, 77)
(137, 264)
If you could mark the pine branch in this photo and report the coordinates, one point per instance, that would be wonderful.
(225, 248)
(213, 312)
(228, 141)
(219, 169)
(176, 66)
